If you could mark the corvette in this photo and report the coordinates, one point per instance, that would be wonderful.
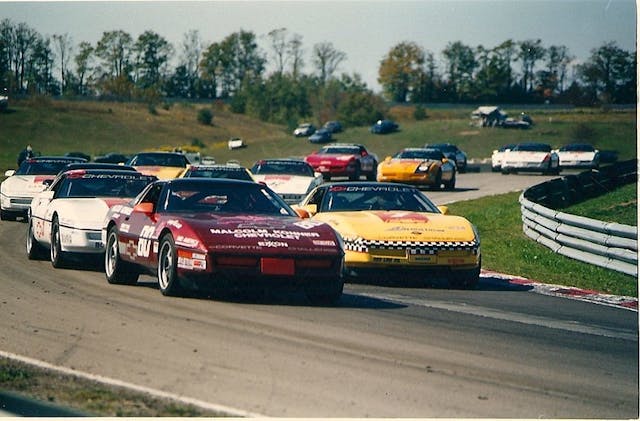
(344, 160)
(394, 228)
(209, 234)
(420, 167)
(164, 165)
(530, 157)
(291, 179)
(579, 155)
(67, 217)
(17, 191)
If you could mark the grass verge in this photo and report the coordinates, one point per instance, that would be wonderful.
(506, 249)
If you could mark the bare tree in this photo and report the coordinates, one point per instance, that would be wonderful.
(83, 64)
(63, 45)
(327, 59)
(279, 46)
(294, 49)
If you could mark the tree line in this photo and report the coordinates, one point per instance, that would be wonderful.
(149, 68)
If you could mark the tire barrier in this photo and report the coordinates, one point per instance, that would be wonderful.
(605, 244)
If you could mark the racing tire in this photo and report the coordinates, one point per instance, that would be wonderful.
(438, 181)
(356, 173)
(35, 251)
(168, 268)
(372, 176)
(116, 270)
(7, 216)
(58, 257)
(330, 296)
(451, 184)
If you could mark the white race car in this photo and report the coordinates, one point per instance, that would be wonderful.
(67, 217)
(579, 155)
(498, 155)
(531, 157)
(291, 179)
(29, 179)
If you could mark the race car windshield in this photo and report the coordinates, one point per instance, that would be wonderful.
(281, 167)
(103, 185)
(41, 167)
(532, 147)
(577, 148)
(226, 198)
(340, 151)
(159, 160)
(418, 154)
(232, 173)
(377, 198)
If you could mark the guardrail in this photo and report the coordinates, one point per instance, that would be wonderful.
(605, 244)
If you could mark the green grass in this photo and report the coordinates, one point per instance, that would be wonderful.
(57, 127)
(89, 397)
(506, 249)
(620, 205)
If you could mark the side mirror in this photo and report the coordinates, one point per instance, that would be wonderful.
(310, 210)
(144, 207)
(47, 182)
(444, 209)
(302, 213)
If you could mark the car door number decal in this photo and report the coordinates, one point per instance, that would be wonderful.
(144, 241)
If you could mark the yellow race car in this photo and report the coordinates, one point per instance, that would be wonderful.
(394, 230)
(164, 165)
(420, 167)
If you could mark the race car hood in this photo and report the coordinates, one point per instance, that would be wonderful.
(285, 183)
(85, 212)
(270, 235)
(163, 173)
(25, 185)
(401, 165)
(329, 158)
(399, 226)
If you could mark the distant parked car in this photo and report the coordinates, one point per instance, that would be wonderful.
(452, 152)
(579, 155)
(384, 127)
(498, 155)
(531, 157)
(304, 129)
(333, 126)
(112, 158)
(320, 136)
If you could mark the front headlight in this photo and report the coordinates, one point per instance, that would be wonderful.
(424, 167)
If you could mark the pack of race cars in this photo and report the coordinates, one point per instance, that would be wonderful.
(280, 224)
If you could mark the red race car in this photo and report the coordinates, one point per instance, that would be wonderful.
(344, 160)
(204, 234)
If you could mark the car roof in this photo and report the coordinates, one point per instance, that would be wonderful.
(198, 180)
(366, 184)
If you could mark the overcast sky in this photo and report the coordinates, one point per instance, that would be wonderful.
(364, 30)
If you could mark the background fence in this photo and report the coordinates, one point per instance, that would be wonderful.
(606, 244)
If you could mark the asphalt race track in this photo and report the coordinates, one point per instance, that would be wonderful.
(500, 351)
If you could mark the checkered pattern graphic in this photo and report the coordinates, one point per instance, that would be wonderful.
(414, 247)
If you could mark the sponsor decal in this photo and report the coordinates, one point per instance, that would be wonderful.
(191, 261)
(308, 224)
(324, 243)
(278, 177)
(174, 223)
(410, 217)
(187, 241)
(130, 249)
(125, 228)
(264, 233)
(392, 189)
(273, 244)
